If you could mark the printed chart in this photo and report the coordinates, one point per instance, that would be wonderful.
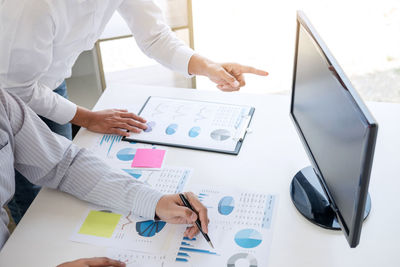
(236, 208)
(168, 180)
(126, 231)
(114, 229)
(198, 124)
(118, 154)
(240, 228)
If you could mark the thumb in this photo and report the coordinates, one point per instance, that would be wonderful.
(185, 213)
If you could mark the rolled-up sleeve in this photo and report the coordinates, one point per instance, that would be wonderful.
(154, 36)
(26, 51)
(50, 160)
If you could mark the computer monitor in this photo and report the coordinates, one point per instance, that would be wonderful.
(338, 133)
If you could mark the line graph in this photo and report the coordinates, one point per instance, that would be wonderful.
(199, 115)
(179, 112)
(128, 219)
(157, 110)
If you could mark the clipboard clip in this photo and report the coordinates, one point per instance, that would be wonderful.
(242, 132)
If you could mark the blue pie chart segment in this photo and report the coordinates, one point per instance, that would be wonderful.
(226, 205)
(171, 129)
(126, 154)
(248, 238)
(149, 228)
(194, 131)
(134, 173)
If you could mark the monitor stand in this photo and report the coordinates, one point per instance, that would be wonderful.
(310, 200)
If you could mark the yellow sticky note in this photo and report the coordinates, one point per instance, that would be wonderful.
(99, 223)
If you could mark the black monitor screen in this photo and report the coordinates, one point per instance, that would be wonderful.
(332, 125)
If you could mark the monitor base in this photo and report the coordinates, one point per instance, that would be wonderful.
(310, 200)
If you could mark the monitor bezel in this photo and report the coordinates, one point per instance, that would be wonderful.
(352, 229)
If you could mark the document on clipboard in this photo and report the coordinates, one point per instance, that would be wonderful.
(193, 124)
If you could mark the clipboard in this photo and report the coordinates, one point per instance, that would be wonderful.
(193, 124)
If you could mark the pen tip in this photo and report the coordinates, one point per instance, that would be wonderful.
(211, 244)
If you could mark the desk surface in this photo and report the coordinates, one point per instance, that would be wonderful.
(269, 158)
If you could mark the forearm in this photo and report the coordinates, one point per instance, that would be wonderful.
(154, 37)
(92, 180)
(48, 159)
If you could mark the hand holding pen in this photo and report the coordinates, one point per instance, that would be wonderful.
(171, 209)
(198, 223)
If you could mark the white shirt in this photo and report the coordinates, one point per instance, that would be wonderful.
(48, 159)
(40, 41)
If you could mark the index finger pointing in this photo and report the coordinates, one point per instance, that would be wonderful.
(248, 69)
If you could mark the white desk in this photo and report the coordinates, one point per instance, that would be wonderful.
(269, 158)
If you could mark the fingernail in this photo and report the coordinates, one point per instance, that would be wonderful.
(193, 217)
(236, 84)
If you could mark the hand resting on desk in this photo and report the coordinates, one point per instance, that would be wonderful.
(109, 121)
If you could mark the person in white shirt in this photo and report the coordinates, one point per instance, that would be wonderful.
(51, 160)
(40, 41)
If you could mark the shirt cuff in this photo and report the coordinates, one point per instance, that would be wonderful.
(181, 60)
(64, 111)
(146, 202)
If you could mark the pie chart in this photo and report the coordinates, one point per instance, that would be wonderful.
(126, 154)
(252, 261)
(226, 205)
(220, 134)
(248, 238)
(194, 131)
(134, 173)
(149, 228)
(171, 129)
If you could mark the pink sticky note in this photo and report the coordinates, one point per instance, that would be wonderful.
(148, 158)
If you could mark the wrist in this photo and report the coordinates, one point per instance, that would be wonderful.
(82, 117)
(199, 65)
(158, 208)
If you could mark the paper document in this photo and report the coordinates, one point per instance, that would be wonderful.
(115, 152)
(130, 232)
(241, 226)
(133, 232)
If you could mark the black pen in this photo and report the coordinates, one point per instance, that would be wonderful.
(187, 204)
